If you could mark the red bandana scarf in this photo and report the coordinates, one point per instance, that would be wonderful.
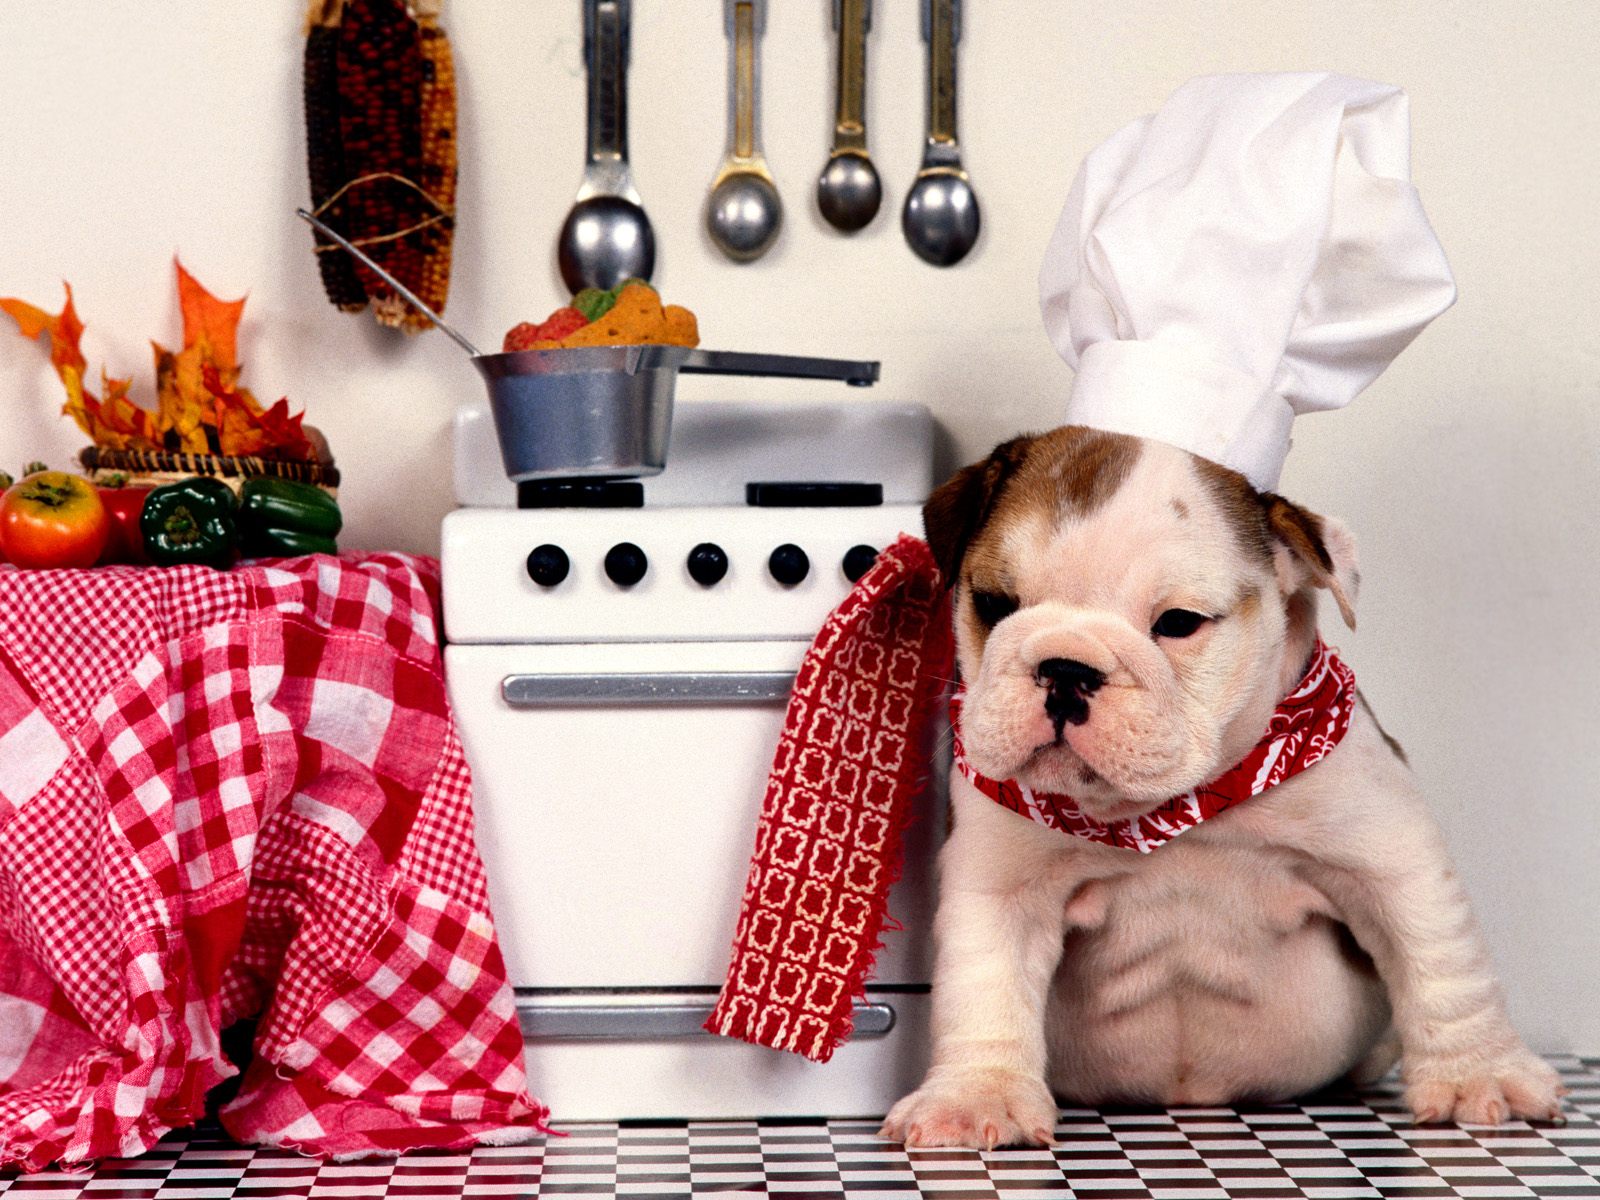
(1308, 723)
(856, 749)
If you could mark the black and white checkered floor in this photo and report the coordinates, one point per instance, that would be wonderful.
(1329, 1148)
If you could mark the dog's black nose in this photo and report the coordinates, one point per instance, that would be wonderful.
(1069, 674)
(1070, 684)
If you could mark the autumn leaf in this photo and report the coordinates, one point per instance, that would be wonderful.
(115, 422)
(65, 330)
(123, 425)
(207, 321)
(182, 403)
(244, 427)
(200, 408)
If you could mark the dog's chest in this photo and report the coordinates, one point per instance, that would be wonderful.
(1189, 917)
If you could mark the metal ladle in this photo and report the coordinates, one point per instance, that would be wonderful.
(744, 212)
(606, 238)
(940, 218)
(848, 191)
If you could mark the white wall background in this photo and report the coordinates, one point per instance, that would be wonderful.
(136, 130)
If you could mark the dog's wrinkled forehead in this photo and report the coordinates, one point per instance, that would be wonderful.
(1110, 487)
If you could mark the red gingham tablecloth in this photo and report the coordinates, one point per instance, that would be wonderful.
(240, 794)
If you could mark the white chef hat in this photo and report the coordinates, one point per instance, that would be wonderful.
(1252, 251)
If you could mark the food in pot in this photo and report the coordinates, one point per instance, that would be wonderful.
(557, 326)
(53, 519)
(630, 314)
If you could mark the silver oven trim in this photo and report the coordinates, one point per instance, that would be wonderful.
(662, 687)
(546, 1021)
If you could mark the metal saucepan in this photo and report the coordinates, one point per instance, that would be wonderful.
(599, 411)
(607, 410)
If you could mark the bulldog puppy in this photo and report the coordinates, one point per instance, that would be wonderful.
(1313, 932)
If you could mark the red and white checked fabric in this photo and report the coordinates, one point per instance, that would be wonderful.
(853, 754)
(240, 794)
(1305, 726)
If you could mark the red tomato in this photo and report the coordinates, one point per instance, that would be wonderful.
(123, 506)
(53, 519)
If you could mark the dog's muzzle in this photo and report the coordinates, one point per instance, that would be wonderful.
(1069, 684)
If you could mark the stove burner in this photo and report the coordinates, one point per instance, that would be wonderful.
(811, 494)
(580, 493)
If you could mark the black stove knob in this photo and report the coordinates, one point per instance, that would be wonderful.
(789, 564)
(626, 564)
(858, 561)
(708, 563)
(548, 565)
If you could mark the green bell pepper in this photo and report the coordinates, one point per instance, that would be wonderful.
(191, 521)
(281, 518)
(286, 543)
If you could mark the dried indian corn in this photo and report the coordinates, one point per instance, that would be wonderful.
(325, 154)
(438, 160)
(381, 146)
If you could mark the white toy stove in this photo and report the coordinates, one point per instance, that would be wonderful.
(619, 675)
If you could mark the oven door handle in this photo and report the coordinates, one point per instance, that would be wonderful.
(545, 1021)
(660, 687)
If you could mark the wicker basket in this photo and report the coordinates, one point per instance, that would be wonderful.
(149, 468)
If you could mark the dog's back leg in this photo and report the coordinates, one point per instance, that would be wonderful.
(1379, 1061)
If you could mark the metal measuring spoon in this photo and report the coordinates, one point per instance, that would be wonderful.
(848, 191)
(606, 238)
(940, 218)
(744, 212)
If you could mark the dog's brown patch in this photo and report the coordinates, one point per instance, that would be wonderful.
(1086, 466)
(1240, 505)
(1300, 530)
(1180, 508)
(961, 506)
(1071, 471)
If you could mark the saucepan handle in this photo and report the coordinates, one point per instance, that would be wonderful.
(788, 366)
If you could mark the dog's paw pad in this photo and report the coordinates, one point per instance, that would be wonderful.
(980, 1110)
(1521, 1085)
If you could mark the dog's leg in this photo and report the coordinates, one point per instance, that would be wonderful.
(998, 938)
(1391, 878)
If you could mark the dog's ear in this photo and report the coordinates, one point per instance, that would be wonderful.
(1313, 550)
(958, 509)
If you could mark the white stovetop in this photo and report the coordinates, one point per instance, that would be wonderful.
(718, 446)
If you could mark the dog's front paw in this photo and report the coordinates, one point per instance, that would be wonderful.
(1516, 1084)
(981, 1108)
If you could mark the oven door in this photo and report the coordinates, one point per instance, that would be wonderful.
(616, 792)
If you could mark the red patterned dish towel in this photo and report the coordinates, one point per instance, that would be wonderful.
(229, 795)
(851, 757)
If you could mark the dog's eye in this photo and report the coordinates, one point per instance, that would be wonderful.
(1177, 623)
(993, 607)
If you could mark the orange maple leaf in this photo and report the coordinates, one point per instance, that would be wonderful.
(243, 427)
(200, 408)
(64, 328)
(207, 321)
(115, 422)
